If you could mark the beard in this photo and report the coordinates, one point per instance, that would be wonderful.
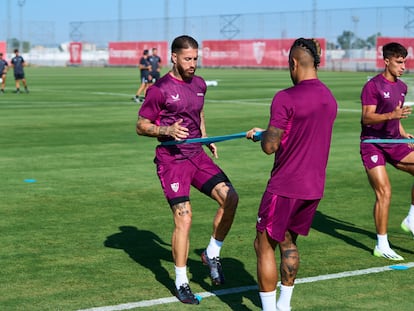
(185, 74)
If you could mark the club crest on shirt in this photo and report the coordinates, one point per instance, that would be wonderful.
(175, 97)
(259, 219)
(387, 95)
(175, 186)
(374, 158)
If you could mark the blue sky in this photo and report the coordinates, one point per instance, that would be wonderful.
(62, 12)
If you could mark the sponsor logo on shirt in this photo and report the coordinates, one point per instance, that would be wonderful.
(259, 219)
(374, 158)
(200, 94)
(175, 97)
(175, 186)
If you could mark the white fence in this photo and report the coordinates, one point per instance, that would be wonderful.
(336, 60)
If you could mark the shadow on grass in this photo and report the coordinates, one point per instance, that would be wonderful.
(239, 285)
(148, 249)
(333, 227)
(145, 248)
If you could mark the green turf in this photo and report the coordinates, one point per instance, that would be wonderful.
(94, 229)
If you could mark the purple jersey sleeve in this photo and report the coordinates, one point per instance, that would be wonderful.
(152, 105)
(281, 111)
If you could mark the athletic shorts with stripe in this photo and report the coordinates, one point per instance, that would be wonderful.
(279, 214)
(178, 176)
(373, 155)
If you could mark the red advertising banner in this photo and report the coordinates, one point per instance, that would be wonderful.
(250, 53)
(408, 43)
(75, 53)
(3, 48)
(129, 53)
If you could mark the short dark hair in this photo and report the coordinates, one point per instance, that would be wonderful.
(16, 50)
(183, 42)
(394, 49)
(146, 52)
(312, 46)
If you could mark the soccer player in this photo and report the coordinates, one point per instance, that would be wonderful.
(18, 64)
(382, 100)
(173, 110)
(3, 72)
(144, 68)
(299, 135)
(155, 62)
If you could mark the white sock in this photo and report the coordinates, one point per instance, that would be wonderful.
(180, 276)
(411, 214)
(213, 248)
(285, 296)
(268, 300)
(382, 241)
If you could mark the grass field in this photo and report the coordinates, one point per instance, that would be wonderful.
(94, 229)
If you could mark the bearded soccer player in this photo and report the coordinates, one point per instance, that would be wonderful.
(173, 110)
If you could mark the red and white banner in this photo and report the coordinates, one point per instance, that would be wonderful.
(250, 53)
(129, 53)
(75, 52)
(408, 43)
(3, 48)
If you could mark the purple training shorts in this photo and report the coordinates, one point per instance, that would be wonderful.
(178, 176)
(279, 214)
(373, 155)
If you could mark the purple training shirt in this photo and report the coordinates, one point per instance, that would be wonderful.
(385, 95)
(169, 100)
(306, 112)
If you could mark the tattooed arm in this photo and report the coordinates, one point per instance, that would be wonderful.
(147, 128)
(271, 139)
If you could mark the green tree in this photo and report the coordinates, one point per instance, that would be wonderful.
(345, 39)
(359, 43)
(372, 40)
(331, 46)
(14, 43)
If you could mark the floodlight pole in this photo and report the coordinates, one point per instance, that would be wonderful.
(314, 8)
(185, 16)
(166, 20)
(355, 20)
(8, 37)
(119, 20)
(21, 4)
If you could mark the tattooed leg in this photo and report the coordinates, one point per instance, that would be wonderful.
(180, 239)
(289, 259)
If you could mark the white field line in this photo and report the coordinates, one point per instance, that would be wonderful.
(349, 110)
(340, 275)
(267, 101)
(253, 101)
(250, 101)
